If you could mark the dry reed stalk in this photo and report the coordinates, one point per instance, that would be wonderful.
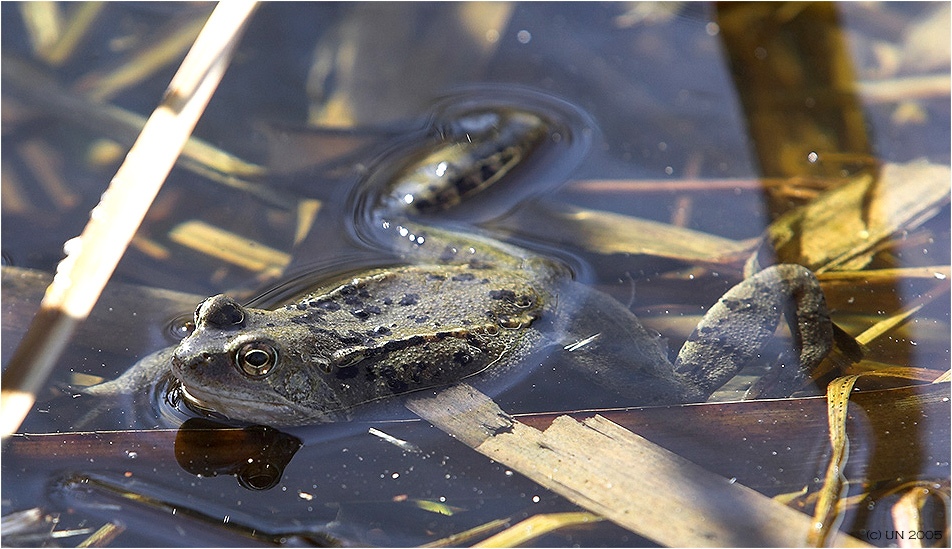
(670, 186)
(43, 22)
(621, 476)
(457, 540)
(906, 88)
(46, 166)
(80, 22)
(535, 527)
(93, 256)
(230, 247)
(101, 87)
(103, 536)
(38, 90)
(826, 519)
(903, 316)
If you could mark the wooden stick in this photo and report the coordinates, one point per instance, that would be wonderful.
(92, 257)
(617, 474)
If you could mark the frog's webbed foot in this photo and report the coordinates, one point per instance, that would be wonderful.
(739, 326)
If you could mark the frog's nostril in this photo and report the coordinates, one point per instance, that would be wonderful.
(179, 363)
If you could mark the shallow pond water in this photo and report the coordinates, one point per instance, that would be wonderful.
(321, 101)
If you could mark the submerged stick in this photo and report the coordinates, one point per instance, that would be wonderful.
(621, 476)
(92, 257)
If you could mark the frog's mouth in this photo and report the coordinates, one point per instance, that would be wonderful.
(192, 400)
(203, 400)
(209, 400)
(235, 405)
(237, 408)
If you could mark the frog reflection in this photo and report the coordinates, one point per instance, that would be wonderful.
(466, 304)
(256, 455)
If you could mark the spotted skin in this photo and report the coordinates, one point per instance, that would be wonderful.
(389, 332)
(465, 305)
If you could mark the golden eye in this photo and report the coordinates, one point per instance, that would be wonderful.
(256, 359)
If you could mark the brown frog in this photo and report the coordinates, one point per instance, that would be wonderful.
(466, 305)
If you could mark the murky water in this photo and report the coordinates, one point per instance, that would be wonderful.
(322, 102)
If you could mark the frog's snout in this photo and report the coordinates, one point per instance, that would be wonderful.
(180, 365)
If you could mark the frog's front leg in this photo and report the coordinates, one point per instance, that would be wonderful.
(738, 327)
(122, 392)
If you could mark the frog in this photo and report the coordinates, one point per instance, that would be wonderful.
(461, 304)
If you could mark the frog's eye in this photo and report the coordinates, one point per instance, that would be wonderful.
(221, 312)
(256, 359)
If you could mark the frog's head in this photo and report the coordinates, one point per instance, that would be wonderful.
(237, 362)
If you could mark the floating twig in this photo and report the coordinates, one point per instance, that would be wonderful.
(615, 473)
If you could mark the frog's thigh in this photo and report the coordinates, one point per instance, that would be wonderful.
(737, 328)
(606, 342)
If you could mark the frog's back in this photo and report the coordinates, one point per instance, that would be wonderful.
(392, 331)
(402, 302)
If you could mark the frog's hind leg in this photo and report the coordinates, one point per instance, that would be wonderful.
(602, 339)
(474, 166)
(739, 326)
(420, 243)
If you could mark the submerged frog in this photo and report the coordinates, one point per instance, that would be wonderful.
(469, 305)
(464, 306)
